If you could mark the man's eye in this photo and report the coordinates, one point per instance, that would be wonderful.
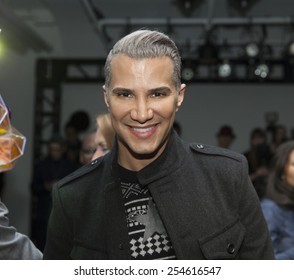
(157, 94)
(124, 94)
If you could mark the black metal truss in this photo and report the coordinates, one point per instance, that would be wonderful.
(52, 73)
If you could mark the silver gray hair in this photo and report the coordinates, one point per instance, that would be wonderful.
(146, 44)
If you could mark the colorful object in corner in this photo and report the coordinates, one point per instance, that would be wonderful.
(12, 142)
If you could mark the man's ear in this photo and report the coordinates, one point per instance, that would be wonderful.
(105, 96)
(181, 96)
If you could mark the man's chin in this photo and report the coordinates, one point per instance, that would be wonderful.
(144, 153)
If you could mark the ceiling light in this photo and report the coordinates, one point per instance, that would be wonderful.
(252, 50)
(290, 48)
(225, 70)
(262, 71)
(188, 73)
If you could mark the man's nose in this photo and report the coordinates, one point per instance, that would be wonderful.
(142, 112)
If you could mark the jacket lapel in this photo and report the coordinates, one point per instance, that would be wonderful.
(116, 231)
(175, 192)
(118, 246)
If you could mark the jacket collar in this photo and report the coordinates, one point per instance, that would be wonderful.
(165, 164)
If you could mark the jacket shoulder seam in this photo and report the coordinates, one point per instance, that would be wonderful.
(215, 151)
(79, 172)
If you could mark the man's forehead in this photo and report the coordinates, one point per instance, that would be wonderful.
(155, 68)
(123, 57)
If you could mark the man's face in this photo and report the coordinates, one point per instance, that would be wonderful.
(142, 100)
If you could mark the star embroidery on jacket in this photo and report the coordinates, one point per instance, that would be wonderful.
(152, 221)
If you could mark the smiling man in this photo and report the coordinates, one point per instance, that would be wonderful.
(155, 196)
(143, 99)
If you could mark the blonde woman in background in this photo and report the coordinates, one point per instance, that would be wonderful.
(278, 204)
(104, 135)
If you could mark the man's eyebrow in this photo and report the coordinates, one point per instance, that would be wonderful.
(166, 89)
(120, 89)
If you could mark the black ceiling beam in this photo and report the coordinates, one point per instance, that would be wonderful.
(56, 71)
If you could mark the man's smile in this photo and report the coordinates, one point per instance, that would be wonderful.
(143, 132)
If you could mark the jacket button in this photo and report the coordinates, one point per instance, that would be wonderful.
(121, 246)
(231, 248)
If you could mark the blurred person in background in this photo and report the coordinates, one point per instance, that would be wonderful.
(259, 159)
(225, 137)
(97, 143)
(278, 205)
(105, 135)
(279, 136)
(72, 143)
(88, 147)
(47, 172)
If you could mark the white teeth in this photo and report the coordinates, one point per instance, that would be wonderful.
(143, 130)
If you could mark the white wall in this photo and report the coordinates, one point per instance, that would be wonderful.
(206, 108)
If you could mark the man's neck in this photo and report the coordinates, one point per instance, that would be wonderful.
(135, 162)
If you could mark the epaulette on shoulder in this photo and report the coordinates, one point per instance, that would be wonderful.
(80, 172)
(215, 151)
